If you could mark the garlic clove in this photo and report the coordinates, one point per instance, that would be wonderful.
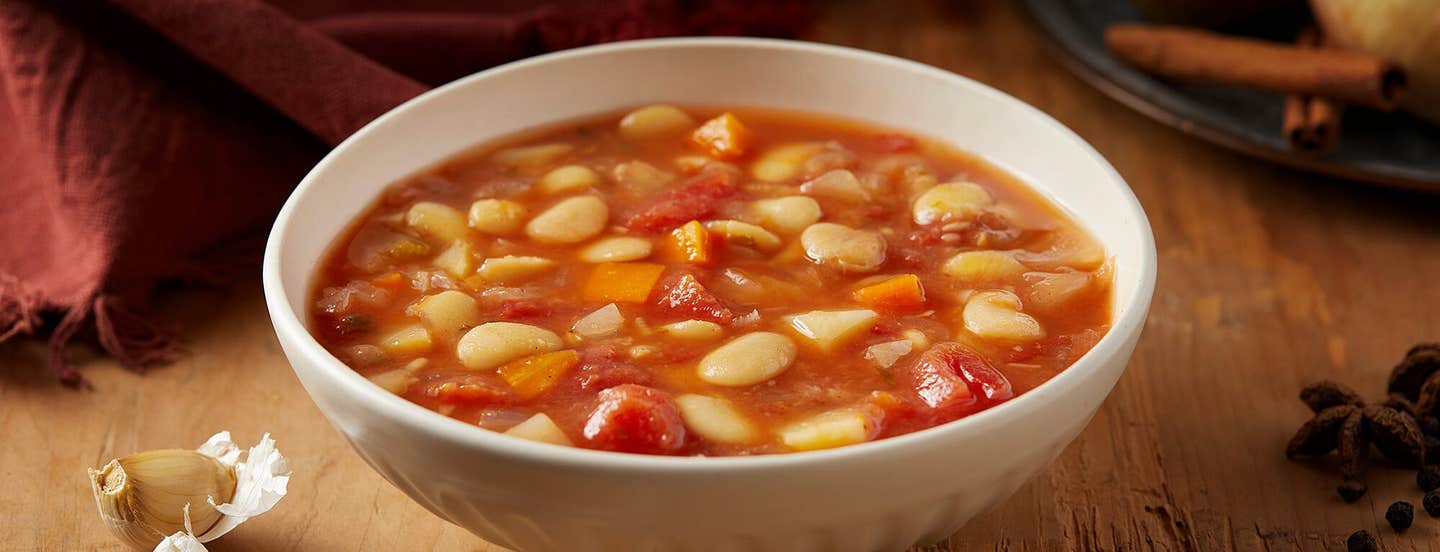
(145, 496)
(142, 497)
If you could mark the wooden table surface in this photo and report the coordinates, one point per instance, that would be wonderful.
(1268, 279)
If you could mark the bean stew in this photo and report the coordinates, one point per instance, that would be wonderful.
(700, 281)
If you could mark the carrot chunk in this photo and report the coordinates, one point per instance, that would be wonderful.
(533, 375)
(392, 280)
(724, 137)
(901, 293)
(621, 282)
(690, 243)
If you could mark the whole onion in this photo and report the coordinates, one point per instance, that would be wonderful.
(1405, 31)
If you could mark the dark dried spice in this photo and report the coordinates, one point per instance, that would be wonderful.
(1327, 393)
(1396, 435)
(1399, 402)
(1362, 541)
(1351, 490)
(1429, 397)
(1432, 447)
(1432, 503)
(1421, 362)
(1354, 445)
(1321, 434)
(1428, 478)
(1400, 515)
(1429, 425)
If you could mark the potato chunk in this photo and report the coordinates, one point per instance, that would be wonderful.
(457, 260)
(540, 428)
(838, 184)
(410, 340)
(830, 329)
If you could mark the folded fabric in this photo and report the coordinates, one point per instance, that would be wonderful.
(142, 138)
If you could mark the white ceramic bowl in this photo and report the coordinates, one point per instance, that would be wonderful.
(883, 495)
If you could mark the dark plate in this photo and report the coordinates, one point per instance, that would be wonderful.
(1384, 148)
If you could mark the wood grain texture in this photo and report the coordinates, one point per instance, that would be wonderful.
(1268, 278)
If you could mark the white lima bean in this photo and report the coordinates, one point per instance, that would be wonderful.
(830, 329)
(540, 428)
(838, 184)
(436, 220)
(447, 313)
(497, 217)
(568, 179)
(512, 269)
(616, 249)
(572, 220)
(782, 163)
(985, 266)
(532, 159)
(995, 315)
(692, 330)
(950, 202)
(745, 234)
(831, 429)
(491, 344)
(784, 215)
(655, 121)
(843, 247)
(747, 360)
(715, 419)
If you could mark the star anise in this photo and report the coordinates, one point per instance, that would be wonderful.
(1345, 422)
(1415, 378)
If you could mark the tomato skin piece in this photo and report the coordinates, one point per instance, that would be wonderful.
(476, 389)
(695, 199)
(520, 309)
(955, 380)
(635, 418)
(685, 296)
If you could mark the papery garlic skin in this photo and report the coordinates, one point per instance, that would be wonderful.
(145, 496)
(180, 542)
(261, 482)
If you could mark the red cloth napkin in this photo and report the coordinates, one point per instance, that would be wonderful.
(139, 137)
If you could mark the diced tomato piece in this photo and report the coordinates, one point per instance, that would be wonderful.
(519, 309)
(901, 293)
(724, 137)
(685, 296)
(695, 199)
(944, 377)
(604, 375)
(895, 143)
(635, 418)
(469, 388)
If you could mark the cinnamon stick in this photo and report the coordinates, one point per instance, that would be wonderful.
(1311, 123)
(1206, 57)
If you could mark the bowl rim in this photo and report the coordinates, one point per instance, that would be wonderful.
(288, 323)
